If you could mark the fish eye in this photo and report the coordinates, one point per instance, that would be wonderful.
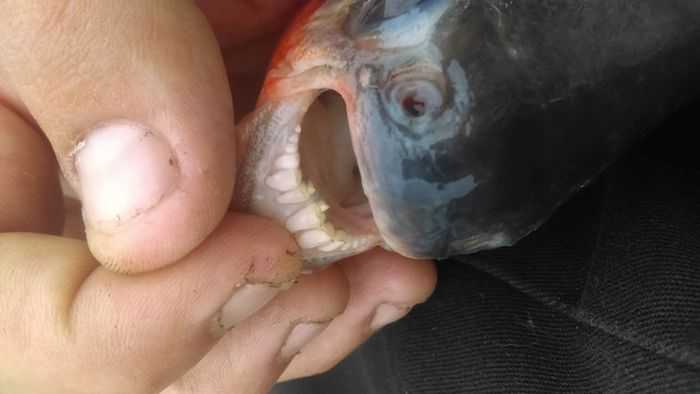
(413, 106)
(414, 101)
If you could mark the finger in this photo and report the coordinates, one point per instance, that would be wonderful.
(134, 99)
(102, 330)
(250, 358)
(383, 288)
(30, 195)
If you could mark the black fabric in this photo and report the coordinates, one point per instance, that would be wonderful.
(604, 298)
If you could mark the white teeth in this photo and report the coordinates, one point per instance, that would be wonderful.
(354, 244)
(329, 229)
(284, 180)
(295, 196)
(288, 161)
(313, 238)
(307, 218)
(309, 223)
(298, 195)
(331, 246)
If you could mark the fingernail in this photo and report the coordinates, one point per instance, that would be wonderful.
(123, 170)
(300, 336)
(386, 314)
(244, 302)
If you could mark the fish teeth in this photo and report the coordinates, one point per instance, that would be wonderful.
(329, 229)
(308, 223)
(331, 246)
(313, 238)
(288, 161)
(284, 180)
(311, 189)
(323, 206)
(341, 235)
(307, 218)
(295, 196)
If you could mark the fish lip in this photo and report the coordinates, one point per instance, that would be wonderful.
(275, 120)
(253, 134)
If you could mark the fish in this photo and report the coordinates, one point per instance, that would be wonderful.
(436, 128)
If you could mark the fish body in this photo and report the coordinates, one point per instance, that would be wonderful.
(444, 127)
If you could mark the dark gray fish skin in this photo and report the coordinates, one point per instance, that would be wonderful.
(471, 120)
(556, 91)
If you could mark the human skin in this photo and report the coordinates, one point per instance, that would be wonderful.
(169, 291)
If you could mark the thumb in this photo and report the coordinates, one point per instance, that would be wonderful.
(134, 99)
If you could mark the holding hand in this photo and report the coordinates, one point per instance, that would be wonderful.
(132, 100)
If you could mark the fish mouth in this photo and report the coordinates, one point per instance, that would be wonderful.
(303, 172)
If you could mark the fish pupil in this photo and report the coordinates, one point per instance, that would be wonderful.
(413, 106)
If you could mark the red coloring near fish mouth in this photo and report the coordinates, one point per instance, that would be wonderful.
(291, 37)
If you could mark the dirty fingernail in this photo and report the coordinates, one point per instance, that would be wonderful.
(123, 170)
(244, 302)
(299, 337)
(386, 314)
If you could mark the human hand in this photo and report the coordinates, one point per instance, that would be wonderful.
(134, 99)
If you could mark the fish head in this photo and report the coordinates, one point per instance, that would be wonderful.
(444, 127)
(358, 136)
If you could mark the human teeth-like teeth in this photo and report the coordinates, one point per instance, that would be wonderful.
(296, 196)
(288, 161)
(305, 210)
(349, 243)
(331, 246)
(313, 238)
(284, 180)
(307, 218)
(329, 229)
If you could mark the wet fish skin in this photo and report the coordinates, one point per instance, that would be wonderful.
(534, 99)
(556, 91)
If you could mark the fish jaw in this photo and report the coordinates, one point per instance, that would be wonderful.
(525, 141)
(316, 55)
(273, 184)
(313, 57)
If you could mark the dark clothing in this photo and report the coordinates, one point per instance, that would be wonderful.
(604, 298)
